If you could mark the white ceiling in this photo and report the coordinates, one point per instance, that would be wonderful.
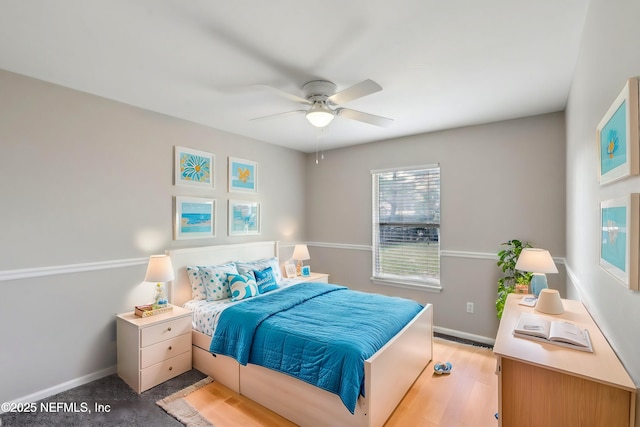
(442, 64)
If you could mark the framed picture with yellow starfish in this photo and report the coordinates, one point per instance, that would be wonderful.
(617, 136)
(243, 176)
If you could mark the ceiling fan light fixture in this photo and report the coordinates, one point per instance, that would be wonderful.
(320, 115)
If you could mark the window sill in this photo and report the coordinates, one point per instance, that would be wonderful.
(421, 286)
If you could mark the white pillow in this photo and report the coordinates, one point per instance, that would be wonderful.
(214, 279)
(261, 264)
(198, 290)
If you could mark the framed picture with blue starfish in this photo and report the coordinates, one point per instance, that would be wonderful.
(243, 176)
(617, 136)
(193, 168)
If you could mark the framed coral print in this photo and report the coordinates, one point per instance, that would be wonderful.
(619, 239)
(193, 168)
(617, 136)
(244, 218)
(243, 176)
(195, 218)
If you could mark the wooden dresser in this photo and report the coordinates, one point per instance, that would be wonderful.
(544, 385)
(153, 349)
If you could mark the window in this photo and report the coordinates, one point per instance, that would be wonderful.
(406, 226)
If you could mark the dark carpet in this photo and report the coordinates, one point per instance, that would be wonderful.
(116, 404)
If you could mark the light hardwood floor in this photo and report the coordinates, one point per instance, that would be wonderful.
(467, 397)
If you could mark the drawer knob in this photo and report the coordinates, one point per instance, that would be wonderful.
(169, 329)
(171, 368)
(170, 348)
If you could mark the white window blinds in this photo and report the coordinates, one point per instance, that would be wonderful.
(406, 225)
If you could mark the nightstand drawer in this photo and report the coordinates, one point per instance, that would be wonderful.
(161, 372)
(164, 350)
(164, 331)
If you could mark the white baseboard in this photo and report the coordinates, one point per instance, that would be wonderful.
(68, 385)
(464, 335)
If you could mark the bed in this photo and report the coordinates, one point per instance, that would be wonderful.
(388, 374)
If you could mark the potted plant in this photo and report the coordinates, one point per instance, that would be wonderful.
(507, 258)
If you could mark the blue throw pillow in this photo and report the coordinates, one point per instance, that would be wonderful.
(242, 286)
(266, 280)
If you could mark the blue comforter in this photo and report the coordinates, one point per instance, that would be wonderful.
(319, 333)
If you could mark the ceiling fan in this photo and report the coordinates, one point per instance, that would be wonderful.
(325, 103)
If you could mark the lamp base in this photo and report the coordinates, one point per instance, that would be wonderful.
(160, 298)
(538, 283)
(299, 268)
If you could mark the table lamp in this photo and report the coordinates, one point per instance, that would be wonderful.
(539, 262)
(159, 270)
(300, 253)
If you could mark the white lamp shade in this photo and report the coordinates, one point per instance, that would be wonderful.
(159, 269)
(536, 260)
(300, 253)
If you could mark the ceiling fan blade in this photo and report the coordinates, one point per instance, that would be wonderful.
(364, 88)
(286, 95)
(274, 116)
(364, 117)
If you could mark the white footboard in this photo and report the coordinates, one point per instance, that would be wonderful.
(388, 375)
(395, 367)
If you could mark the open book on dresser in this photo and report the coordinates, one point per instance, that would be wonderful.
(557, 332)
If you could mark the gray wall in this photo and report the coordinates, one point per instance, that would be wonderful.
(610, 54)
(85, 197)
(499, 181)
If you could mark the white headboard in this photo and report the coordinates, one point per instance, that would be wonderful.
(180, 288)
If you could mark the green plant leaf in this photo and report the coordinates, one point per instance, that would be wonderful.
(507, 259)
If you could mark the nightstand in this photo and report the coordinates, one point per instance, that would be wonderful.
(315, 277)
(153, 349)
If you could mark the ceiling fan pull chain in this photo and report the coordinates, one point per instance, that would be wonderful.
(320, 133)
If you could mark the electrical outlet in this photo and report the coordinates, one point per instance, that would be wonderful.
(469, 307)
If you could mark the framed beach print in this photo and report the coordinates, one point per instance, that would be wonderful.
(195, 218)
(244, 217)
(243, 176)
(617, 136)
(193, 168)
(619, 238)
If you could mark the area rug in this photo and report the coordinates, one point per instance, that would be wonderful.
(178, 407)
